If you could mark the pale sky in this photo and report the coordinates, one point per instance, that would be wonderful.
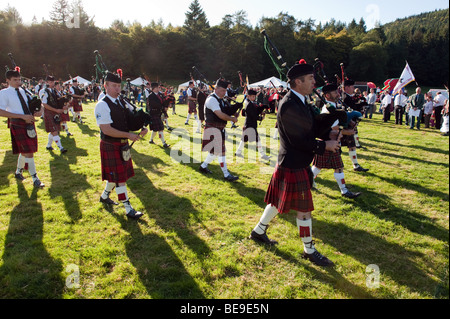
(173, 11)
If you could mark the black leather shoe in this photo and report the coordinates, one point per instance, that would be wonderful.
(318, 259)
(132, 214)
(204, 170)
(151, 142)
(50, 148)
(19, 176)
(351, 195)
(38, 184)
(108, 201)
(166, 145)
(231, 178)
(263, 239)
(359, 168)
(63, 150)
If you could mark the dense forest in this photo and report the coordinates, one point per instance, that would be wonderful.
(167, 53)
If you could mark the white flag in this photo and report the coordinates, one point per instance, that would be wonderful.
(406, 78)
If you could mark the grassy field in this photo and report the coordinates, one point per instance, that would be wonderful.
(192, 243)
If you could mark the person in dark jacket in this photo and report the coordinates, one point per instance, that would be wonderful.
(252, 113)
(290, 186)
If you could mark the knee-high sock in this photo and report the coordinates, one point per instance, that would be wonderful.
(305, 231)
(31, 167)
(357, 140)
(353, 157)
(57, 140)
(20, 164)
(240, 147)
(122, 195)
(188, 117)
(209, 159)
(50, 140)
(153, 136)
(315, 171)
(199, 124)
(108, 189)
(161, 136)
(340, 179)
(223, 165)
(260, 148)
(269, 213)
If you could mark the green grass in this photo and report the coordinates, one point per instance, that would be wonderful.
(193, 239)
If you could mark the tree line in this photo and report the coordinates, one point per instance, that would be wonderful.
(167, 53)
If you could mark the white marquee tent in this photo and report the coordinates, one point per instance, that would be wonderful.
(80, 81)
(139, 81)
(185, 85)
(269, 83)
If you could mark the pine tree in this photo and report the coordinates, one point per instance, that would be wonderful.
(196, 21)
(60, 12)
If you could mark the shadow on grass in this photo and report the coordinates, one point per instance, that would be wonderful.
(384, 208)
(415, 146)
(7, 167)
(28, 270)
(160, 269)
(65, 183)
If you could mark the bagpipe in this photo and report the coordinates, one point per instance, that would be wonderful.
(199, 75)
(137, 118)
(353, 117)
(34, 103)
(322, 121)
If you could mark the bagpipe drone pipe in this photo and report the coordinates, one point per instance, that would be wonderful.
(34, 103)
(322, 121)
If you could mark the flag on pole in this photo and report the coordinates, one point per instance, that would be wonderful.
(406, 78)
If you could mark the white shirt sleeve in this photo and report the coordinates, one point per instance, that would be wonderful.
(43, 95)
(3, 100)
(102, 113)
(212, 104)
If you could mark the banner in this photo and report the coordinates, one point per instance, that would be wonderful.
(406, 78)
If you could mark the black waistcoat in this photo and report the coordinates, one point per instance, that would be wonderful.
(119, 118)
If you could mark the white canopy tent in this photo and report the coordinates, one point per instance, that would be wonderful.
(185, 85)
(269, 83)
(139, 81)
(80, 81)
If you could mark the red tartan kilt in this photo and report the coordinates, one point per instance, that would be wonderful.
(21, 143)
(77, 107)
(214, 139)
(49, 120)
(290, 189)
(114, 169)
(192, 107)
(348, 140)
(249, 134)
(157, 124)
(65, 117)
(328, 160)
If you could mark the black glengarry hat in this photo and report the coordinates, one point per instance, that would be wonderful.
(299, 69)
(111, 77)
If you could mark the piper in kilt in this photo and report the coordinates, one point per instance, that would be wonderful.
(333, 160)
(76, 103)
(155, 108)
(65, 117)
(116, 167)
(14, 104)
(52, 114)
(252, 114)
(213, 140)
(350, 140)
(192, 96)
(290, 186)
